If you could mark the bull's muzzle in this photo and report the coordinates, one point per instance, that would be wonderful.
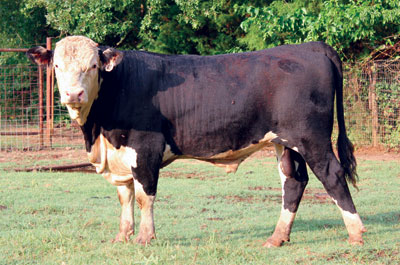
(74, 97)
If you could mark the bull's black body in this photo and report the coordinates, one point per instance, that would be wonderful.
(204, 106)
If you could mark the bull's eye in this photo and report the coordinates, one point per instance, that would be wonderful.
(94, 66)
(56, 66)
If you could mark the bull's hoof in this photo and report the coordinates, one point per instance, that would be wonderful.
(144, 239)
(356, 242)
(122, 237)
(273, 242)
(356, 239)
(116, 240)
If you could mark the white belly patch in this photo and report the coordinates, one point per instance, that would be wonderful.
(114, 164)
(230, 160)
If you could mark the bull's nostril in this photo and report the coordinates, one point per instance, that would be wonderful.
(67, 93)
(80, 96)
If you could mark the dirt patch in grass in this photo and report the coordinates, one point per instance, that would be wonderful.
(316, 196)
(14, 160)
(215, 219)
(377, 153)
(373, 254)
(251, 198)
(311, 195)
(233, 199)
(264, 188)
(189, 175)
(177, 175)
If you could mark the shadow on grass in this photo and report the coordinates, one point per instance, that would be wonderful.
(260, 233)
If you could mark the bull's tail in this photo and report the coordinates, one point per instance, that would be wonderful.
(344, 146)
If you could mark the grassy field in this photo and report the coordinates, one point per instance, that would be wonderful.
(203, 216)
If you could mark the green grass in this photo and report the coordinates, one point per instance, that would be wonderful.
(202, 215)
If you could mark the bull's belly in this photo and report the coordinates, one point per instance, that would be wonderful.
(229, 159)
(116, 164)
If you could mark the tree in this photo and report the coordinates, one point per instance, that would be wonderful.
(20, 28)
(354, 28)
(112, 22)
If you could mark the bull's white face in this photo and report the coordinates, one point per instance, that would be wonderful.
(76, 61)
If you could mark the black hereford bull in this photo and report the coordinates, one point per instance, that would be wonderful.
(139, 111)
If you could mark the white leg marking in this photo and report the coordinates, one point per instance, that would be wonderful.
(127, 224)
(279, 152)
(145, 202)
(354, 226)
(286, 218)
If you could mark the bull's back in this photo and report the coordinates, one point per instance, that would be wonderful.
(227, 102)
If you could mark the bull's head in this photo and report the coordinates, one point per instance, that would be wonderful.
(77, 61)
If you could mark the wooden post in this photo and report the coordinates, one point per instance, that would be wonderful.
(40, 73)
(49, 103)
(373, 105)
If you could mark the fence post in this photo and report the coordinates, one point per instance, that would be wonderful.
(49, 103)
(40, 73)
(373, 104)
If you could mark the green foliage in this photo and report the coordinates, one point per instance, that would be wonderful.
(194, 26)
(353, 28)
(20, 28)
(113, 22)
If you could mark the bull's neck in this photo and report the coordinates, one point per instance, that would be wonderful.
(90, 132)
(91, 128)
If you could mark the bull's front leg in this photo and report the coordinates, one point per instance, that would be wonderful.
(149, 147)
(145, 203)
(127, 224)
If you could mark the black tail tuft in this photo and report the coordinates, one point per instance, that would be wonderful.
(347, 160)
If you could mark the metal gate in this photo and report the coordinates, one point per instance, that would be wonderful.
(34, 128)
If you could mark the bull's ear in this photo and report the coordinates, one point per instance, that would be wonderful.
(111, 58)
(40, 55)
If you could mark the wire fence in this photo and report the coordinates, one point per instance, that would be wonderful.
(35, 129)
(19, 108)
(23, 105)
(372, 104)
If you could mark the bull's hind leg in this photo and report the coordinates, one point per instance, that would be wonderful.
(328, 170)
(294, 178)
(145, 203)
(126, 225)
